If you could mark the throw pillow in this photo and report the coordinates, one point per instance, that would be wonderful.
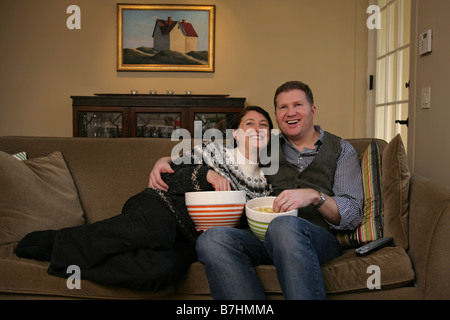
(36, 194)
(372, 226)
(395, 181)
(20, 156)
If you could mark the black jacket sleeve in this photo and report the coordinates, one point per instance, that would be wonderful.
(187, 178)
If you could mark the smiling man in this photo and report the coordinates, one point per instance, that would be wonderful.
(320, 175)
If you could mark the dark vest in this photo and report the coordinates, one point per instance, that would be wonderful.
(319, 175)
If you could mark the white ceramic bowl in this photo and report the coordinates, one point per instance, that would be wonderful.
(259, 221)
(215, 208)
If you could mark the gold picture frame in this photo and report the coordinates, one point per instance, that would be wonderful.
(166, 37)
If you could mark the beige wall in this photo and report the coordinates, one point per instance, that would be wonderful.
(259, 45)
(430, 128)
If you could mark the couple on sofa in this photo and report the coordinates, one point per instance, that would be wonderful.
(153, 242)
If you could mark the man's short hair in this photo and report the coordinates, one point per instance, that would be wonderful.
(294, 85)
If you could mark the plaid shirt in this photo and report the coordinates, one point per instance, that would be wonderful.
(348, 188)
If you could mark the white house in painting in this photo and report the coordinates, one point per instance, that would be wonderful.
(174, 35)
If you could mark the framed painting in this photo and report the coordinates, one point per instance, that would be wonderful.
(165, 37)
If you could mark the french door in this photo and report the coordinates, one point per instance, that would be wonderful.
(389, 56)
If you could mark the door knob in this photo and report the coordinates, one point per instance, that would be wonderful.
(403, 122)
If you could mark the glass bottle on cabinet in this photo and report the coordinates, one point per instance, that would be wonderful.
(100, 124)
(215, 120)
(157, 125)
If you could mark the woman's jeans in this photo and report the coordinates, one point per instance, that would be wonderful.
(295, 246)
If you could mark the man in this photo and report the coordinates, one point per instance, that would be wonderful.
(320, 175)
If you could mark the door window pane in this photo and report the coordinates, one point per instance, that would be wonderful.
(391, 84)
(382, 34)
(393, 26)
(381, 81)
(379, 122)
(390, 122)
(405, 7)
(403, 78)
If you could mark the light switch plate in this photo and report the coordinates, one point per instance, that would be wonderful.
(426, 98)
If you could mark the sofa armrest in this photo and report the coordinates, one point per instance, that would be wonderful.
(429, 236)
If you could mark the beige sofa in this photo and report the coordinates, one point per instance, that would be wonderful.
(94, 178)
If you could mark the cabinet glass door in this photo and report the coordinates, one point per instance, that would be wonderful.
(100, 124)
(157, 124)
(215, 120)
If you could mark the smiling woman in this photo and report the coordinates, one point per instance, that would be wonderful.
(252, 134)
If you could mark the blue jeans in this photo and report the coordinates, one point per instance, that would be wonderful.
(293, 245)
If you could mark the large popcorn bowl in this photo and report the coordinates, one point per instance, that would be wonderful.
(215, 208)
(258, 220)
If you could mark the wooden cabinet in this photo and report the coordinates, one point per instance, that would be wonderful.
(140, 115)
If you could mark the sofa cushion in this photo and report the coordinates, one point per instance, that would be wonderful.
(106, 172)
(350, 273)
(372, 226)
(30, 277)
(395, 188)
(347, 273)
(36, 194)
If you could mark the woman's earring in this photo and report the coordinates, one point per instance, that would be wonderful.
(235, 138)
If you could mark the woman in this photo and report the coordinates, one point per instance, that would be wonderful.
(151, 244)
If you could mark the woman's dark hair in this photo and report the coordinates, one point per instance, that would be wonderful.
(234, 124)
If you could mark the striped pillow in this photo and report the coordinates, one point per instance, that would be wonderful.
(21, 156)
(372, 226)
